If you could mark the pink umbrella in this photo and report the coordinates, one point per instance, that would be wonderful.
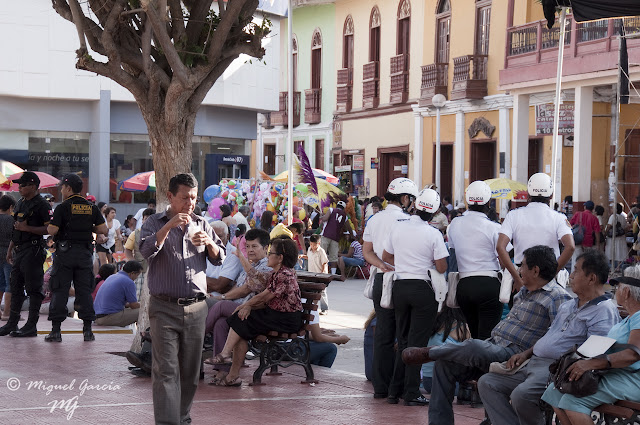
(139, 182)
(321, 174)
(46, 180)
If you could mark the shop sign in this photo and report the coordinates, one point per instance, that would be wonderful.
(358, 162)
(337, 135)
(342, 168)
(544, 119)
(235, 159)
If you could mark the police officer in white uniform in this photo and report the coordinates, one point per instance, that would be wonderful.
(414, 247)
(474, 238)
(400, 194)
(535, 224)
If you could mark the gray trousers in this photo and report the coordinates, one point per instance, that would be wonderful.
(122, 318)
(515, 399)
(178, 335)
(459, 363)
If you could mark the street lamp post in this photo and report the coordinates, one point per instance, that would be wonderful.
(438, 101)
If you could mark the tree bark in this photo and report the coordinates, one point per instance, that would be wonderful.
(171, 146)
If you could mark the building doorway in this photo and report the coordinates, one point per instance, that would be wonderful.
(394, 163)
(535, 157)
(631, 173)
(483, 160)
(269, 165)
(446, 170)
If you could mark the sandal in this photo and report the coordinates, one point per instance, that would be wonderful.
(218, 378)
(219, 359)
(224, 382)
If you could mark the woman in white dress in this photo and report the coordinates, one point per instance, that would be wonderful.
(621, 249)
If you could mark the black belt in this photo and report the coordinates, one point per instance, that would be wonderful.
(185, 301)
(28, 244)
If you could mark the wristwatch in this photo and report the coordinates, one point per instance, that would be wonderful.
(224, 296)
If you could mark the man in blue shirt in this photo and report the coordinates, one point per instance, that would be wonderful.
(591, 313)
(116, 303)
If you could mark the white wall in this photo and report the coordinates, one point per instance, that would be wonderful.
(37, 48)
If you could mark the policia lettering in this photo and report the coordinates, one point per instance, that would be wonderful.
(73, 223)
(27, 254)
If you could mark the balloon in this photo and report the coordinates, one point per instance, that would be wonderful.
(302, 188)
(214, 208)
(270, 207)
(240, 199)
(264, 186)
(232, 195)
(210, 193)
(274, 194)
(302, 214)
(224, 194)
(232, 184)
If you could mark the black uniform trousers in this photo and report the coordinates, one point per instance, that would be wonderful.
(27, 275)
(383, 341)
(478, 298)
(76, 263)
(416, 309)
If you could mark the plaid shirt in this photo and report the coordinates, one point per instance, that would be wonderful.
(530, 317)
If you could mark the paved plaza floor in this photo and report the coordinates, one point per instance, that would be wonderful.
(89, 382)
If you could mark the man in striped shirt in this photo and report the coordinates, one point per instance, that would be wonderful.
(534, 308)
(177, 244)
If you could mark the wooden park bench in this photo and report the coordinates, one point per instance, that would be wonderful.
(277, 349)
(621, 413)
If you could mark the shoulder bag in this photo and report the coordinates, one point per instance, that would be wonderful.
(578, 231)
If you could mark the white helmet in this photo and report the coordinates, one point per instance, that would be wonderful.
(403, 185)
(341, 204)
(428, 200)
(540, 184)
(478, 193)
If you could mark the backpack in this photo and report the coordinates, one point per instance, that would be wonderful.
(578, 231)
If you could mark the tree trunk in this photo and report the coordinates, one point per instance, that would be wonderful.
(171, 149)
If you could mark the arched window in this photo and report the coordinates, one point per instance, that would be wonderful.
(316, 59)
(374, 35)
(347, 43)
(443, 18)
(294, 52)
(404, 27)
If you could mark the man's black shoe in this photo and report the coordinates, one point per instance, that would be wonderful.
(139, 360)
(88, 335)
(380, 395)
(7, 329)
(54, 336)
(419, 401)
(26, 331)
(392, 400)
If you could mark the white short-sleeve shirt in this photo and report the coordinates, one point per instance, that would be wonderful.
(535, 224)
(415, 246)
(474, 237)
(379, 226)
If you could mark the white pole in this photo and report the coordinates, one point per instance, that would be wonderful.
(556, 112)
(290, 114)
(438, 149)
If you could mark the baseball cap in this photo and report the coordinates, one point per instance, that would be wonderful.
(71, 179)
(626, 280)
(91, 198)
(28, 177)
(589, 205)
(341, 204)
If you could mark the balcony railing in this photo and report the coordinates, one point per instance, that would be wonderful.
(344, 95)
(371, 85)
(531, 52)
(312, 106)
(267, 120)
(469, 77)
(399, 78)
(434, 81)
(280, 117)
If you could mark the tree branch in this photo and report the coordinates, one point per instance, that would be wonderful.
(198, 12)
(117, 75)
(78, 20)
(228, 19)
(201, 92)
(177, 21)
(160, 32)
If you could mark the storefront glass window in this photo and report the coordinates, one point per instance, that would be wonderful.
(130, 154)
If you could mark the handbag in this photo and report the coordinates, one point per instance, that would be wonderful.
(578, 231)
(619, 230)
(506, 287)
(454, 278)
(585, 386)
(368, 288)
(386, 301)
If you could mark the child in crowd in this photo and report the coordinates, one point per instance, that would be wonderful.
(353, 258)
(297, 229)
(318, 263)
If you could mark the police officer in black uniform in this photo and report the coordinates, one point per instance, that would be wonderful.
(32, 215)
(74, 221)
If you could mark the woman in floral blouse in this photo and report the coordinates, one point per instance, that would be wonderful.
(277, 308)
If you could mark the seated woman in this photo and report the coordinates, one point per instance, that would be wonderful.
(621, 381)
(277, 308)
(353, 257)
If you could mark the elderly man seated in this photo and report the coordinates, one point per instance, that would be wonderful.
(251, 280)
(534, 308)
(116, 303)
(591, 313)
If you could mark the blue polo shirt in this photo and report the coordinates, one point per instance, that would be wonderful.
(114, 293)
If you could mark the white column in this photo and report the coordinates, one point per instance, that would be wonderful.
(582, 144)
(520, 146)
(459, 175)
(328, 143)
(100, 148)
(278, 152)
(504, 140)
(418, 141)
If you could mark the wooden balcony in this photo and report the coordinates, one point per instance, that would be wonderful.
(281, 117)
(399, 79)
(434, 81)
(371, 85)
(312, 106)
(531, 51)
(469, 77)
(344, 95)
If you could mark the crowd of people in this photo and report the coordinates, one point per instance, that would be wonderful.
(453, 288)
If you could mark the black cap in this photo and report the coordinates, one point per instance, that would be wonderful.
(28, 177)
(626, 280)
(71, 179)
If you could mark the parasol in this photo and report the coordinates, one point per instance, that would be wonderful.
(505, 188)
(46, 180)
(140, 182)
